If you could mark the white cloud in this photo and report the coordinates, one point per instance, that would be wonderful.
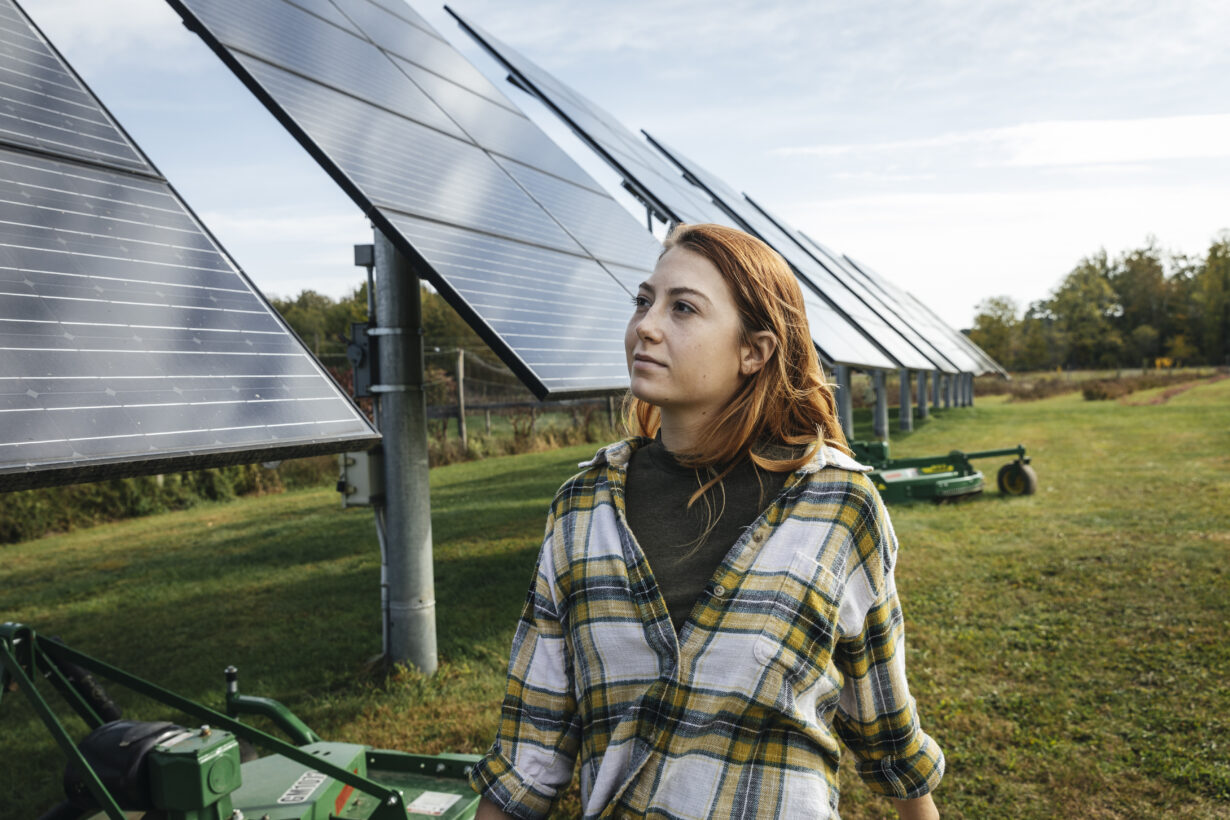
(953, 250)
(125, 30)
(1074, 142)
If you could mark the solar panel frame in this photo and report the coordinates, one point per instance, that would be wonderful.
(386, 215)
(86, 238)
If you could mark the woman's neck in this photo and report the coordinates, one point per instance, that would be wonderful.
(681, 433)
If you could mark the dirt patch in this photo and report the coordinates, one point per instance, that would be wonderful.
(1170, 392)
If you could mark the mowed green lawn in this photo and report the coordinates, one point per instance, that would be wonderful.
(1070, 651)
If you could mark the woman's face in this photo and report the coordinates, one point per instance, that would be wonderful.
(684, 339)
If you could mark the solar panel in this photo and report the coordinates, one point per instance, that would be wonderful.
(129, 341)
(523, 243)
(836, 291)
(666, 192)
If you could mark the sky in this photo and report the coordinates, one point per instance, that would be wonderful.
(964, 149)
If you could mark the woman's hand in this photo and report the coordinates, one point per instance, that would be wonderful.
(919, 808)
(490, 811)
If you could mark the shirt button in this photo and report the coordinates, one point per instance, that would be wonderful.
(719, 590)
(758, 536)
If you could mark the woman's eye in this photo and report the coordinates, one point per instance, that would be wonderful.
(640, 301)
(684, 307)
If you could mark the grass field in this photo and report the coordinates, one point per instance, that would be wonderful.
(1068, 650)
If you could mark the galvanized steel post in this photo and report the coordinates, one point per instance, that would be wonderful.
(411, 615)
(845, 407)
(880, 415)
(922, 394)
(905, 412)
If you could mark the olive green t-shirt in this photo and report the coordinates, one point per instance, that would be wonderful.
(656, 500)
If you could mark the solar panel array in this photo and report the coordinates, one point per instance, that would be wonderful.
(905, 320)
(838, 292)
(667, 193)
(982, 363)
(854, 323)
(504, 224)
(129, 342)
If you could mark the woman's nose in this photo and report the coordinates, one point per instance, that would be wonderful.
(647, 327)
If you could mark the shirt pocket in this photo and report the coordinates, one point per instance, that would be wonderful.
(800, 629)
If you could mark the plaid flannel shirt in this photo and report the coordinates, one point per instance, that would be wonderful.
(796, 642)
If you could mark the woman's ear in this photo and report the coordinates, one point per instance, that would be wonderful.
(756, 352)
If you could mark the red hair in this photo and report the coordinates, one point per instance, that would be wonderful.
(785, 402)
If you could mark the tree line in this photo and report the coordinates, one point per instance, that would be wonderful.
(1132, 310)
(323, 323)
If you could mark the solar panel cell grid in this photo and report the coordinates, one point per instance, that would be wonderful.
(397, 36)
(43, 106)
(433, 176)
(128, 341)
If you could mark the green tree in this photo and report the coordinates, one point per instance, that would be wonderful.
(1083, 306)
(1139, 282)
(1215, 297)
(995, 329)
(1143, 342)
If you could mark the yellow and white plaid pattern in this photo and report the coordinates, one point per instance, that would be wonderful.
(797, 642)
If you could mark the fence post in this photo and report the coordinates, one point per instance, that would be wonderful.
(461, 399)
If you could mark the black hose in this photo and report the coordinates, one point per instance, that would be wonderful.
(87, 686)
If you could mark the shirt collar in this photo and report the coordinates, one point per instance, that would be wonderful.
(618, 454)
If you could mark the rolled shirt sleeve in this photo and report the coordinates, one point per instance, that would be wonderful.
(876, 717)
(532, 757)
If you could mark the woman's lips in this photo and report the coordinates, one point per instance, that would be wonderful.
(643, 361)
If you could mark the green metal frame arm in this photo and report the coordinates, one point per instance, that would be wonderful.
(286, 720)
(391, 800)
(97, 789)
(1018, 451)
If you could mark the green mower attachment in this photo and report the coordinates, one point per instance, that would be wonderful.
(944, 478)
(212, 772)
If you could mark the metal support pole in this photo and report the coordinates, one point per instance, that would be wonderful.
(935, 389)
(905, 412)
(610, 411)
(411, 615)
(461, 399)
(950, 382)
(922, 394)
(880, 414)
(845, 406)
(969, 399)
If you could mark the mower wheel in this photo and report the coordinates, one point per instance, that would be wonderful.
(1016, 478)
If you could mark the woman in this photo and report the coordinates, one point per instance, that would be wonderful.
(713, 606)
